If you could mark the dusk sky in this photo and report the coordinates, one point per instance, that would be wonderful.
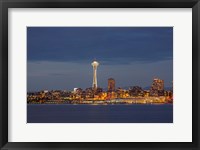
(60, 57)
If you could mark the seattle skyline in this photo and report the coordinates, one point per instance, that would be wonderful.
(60, 57)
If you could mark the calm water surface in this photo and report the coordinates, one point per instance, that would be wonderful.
(63, 113)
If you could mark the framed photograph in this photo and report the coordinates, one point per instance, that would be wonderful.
(104, 74)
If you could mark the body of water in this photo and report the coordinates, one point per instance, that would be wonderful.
(136, 113)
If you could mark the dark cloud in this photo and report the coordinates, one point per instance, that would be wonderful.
(60, 57)
(107, 44)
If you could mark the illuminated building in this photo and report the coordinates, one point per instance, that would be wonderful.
(136, 91)
(98, 90)
(94, 64)
(157, 88)
(89, 92)
(111, 84)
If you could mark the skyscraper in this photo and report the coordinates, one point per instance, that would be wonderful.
(94, 64)
(157, 87)
(111, 84)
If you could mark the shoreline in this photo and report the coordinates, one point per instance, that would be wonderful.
(99, 104)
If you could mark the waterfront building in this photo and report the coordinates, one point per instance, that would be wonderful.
(98, 90)
(89, 92)
(136, 91)
(157, 87)
(111, 85)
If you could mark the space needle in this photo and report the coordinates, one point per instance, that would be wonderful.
(94, 64)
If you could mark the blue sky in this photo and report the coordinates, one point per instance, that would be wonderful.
(60, 57)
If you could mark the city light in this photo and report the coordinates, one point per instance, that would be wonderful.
(96, 95)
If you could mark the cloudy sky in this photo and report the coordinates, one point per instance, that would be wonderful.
(61, 57)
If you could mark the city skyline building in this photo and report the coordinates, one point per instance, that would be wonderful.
(94, 64)
(157, 88)
(111, 84)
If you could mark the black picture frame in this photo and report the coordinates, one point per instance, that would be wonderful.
(6, 4)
